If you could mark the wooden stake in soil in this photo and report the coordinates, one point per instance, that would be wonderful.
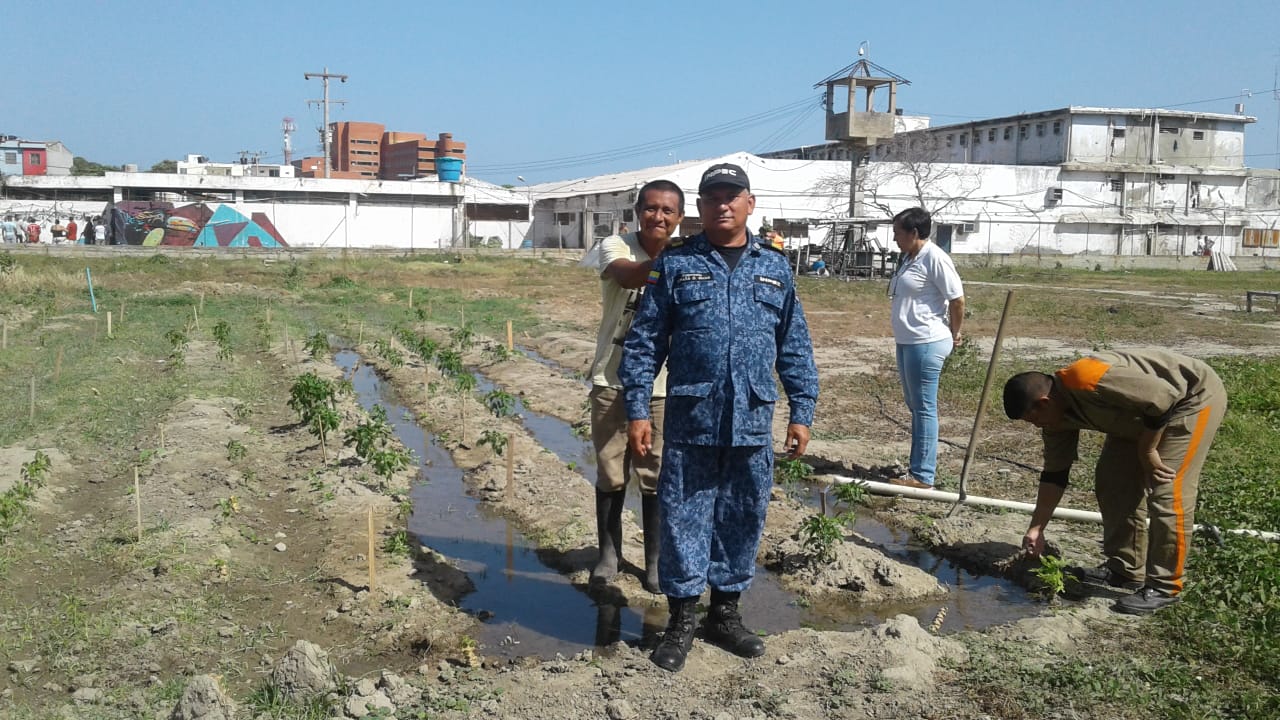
(410, 298)
(161, 436)
(511, 468)
(121, 312)
(57, 367)
(360, 337)
(268, 311)
(511, 342)
(201, 301)
(195, 315)
(109, 333)
(285, 350)
(982, 406)
(33, 398)
(373, 578)
(137, 499)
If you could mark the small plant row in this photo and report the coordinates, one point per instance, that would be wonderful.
(315, 400)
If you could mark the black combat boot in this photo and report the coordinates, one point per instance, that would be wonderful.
(674, 648)
(608, 534)
(723, 626)
(649, 510)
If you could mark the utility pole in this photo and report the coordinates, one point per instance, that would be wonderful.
(324, 78)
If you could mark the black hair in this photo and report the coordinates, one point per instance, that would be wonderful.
(1023, 389)
(917, 219)
(661, 186)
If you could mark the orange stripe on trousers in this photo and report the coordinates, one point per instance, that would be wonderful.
(1202, 419)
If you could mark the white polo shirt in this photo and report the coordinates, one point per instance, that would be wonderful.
(919, 292)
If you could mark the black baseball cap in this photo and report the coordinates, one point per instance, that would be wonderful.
(724, 174)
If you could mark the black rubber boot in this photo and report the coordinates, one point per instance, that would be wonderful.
(723, 626)
(674, 648)
(608, 624)
(608, 534)
(652, 544)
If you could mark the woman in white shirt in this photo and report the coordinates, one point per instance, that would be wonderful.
(927, 312)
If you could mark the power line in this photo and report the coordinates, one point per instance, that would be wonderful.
(705, 134)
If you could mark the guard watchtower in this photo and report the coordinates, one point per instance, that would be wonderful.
(853, 117)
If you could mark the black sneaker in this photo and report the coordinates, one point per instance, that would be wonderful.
(1103, 575)
(1144, 602)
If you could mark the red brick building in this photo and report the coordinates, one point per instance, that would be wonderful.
(368, 150)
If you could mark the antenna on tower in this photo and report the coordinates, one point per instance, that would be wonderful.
(288, 128)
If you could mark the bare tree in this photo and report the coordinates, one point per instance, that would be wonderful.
(917, 161)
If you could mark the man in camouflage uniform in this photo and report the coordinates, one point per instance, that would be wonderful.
(721, 307)
(1160, 411)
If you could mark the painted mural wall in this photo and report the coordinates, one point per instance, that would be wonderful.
(152, 224)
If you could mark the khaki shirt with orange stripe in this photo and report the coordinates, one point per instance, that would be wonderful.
(1122, 394)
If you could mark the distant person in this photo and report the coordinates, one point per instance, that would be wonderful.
(624, 265)
(58, 231)
(11, 231)
(90, 232)
(73, 231)
(926, 312)
(33, 230)
(1159, 411)
(623, 229)
(100, 231)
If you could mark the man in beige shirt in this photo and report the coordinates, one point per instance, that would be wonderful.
(625, 262)
(1159, 411)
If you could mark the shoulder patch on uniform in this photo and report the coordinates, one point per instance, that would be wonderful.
(769, 281)
(653, 277)
(1083, 374)
(768, 245)
(675, 242)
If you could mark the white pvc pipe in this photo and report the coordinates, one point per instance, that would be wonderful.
(883, 488)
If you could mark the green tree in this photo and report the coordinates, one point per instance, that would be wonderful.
(164, 166)
(81, 166)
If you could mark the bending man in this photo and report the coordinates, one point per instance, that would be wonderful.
(1159, 411)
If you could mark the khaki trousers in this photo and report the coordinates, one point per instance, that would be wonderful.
(614, 459)
(1158, 553)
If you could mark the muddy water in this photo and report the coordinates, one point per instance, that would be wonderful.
(530, 608)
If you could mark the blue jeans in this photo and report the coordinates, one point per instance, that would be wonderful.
(918, 369)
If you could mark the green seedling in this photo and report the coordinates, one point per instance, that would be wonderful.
(497, 441)
(33, 471)
(397, 544)
(229, 506)
(316, 345)
(389, 461)
(222, 336)
(1052, 572)
(463, 338)
(313, 398)
(819, 535)
(235, 450)
(371, 435)
(178, 342)
(500, 403)
(497, 352)
(293, 276)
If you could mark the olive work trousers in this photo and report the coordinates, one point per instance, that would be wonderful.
(615, 461)
(1156, 552)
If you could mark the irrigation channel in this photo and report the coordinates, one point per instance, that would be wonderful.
(530, 608)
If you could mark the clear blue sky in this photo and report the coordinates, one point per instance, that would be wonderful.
(138, 81)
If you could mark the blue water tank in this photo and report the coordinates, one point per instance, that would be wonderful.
(449, 169)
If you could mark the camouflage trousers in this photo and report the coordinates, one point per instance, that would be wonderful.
(713, 503)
